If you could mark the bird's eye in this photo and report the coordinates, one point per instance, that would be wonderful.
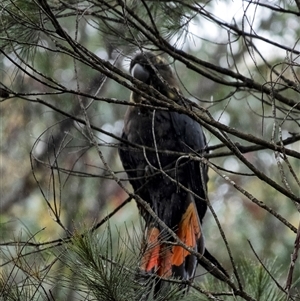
(140, 73)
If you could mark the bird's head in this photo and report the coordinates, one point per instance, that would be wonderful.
(154, 71)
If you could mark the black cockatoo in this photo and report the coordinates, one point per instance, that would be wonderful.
(172, 184)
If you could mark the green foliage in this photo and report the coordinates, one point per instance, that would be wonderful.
(20, 29)
(24, 272)
(256, 281)
(98, 271)
(106, 268)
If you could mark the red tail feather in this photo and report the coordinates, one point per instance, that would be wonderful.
(189, 232)
(160, 258)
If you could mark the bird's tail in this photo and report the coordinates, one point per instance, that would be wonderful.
(165, 258)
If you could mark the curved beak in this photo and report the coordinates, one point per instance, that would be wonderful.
(140, 73)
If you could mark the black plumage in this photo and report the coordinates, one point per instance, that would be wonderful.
(172, 183)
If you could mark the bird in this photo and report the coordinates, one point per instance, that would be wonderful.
(158, 150)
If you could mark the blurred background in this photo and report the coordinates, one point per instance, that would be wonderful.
(53, 182)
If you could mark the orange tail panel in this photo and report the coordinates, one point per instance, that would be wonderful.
(160, 258)
(189, 232)
(150, 260)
